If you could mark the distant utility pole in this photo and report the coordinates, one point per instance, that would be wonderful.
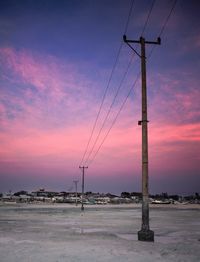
(83, 181)
(145, 234)
(76, 182)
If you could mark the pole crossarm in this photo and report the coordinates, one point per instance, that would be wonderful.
(128, 41)
(158, 42)
(131, 41)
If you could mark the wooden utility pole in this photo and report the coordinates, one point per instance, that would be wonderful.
(145, 234)
(83, 181)
(76, 182)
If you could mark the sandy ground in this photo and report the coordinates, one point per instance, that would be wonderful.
(61, 233)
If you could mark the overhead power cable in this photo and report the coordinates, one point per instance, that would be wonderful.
(124, 102)
(144, 27)
(164, 25)
(107, 87)
(102, 102)
(167, 18)
(99, 133)
(115, 119)
(110, 108)
(147, 20)
(129, 16)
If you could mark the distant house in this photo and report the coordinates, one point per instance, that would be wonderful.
(43, 193)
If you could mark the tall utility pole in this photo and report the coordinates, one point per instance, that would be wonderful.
(83, 181)
(76, 182)
(145, 234)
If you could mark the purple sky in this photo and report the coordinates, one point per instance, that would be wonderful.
(56, 58)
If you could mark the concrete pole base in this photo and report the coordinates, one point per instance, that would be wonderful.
(146, 235)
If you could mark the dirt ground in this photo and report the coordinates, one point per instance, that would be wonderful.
(62, 233)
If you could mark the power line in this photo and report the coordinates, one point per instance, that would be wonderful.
(149, 14)
(107, 87)
(164, 25)
(129, 16)
(161, 32)
(144, 27)
(115, 119)
(167, 18)
(143, 30)
(110, 108)
(102, 102)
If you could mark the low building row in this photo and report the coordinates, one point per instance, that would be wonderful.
(91, 198)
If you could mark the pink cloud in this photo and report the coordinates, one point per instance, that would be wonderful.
(50, 127)
(53, 148)
(59, 88)
(49, 75)
(175, 98)
(190, 44)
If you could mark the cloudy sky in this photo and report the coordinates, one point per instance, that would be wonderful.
(56, 60)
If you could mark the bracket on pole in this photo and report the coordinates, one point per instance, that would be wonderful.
(129, 41)
(141, 121)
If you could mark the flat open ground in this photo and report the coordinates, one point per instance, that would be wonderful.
(61, 233)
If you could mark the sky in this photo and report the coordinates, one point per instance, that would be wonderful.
(56, 59)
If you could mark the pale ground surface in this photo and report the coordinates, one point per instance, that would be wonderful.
(61, 233)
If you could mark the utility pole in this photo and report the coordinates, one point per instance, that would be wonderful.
(83, 181)
(76, 182)
(145, 234)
